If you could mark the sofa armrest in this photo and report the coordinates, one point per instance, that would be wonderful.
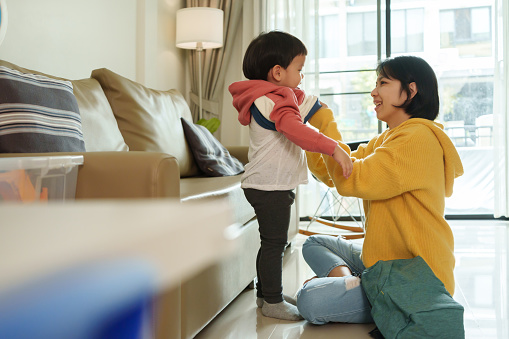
(239, 152)
(128, 175)
(114, 175)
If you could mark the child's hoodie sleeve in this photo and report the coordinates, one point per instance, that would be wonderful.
(288, 121)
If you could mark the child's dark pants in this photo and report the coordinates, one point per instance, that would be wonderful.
(273, 210)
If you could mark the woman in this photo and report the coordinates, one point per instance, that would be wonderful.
(403, 177)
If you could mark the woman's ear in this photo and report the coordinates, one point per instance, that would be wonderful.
(413, 89)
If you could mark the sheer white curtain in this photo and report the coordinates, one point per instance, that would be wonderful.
(501, 111)
(301, 18)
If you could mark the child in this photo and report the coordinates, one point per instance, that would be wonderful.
(277, 163)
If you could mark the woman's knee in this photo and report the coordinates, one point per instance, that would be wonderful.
(308, 306)
(333, 300)
(312, 241)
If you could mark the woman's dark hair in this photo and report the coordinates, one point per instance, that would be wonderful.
(425, 104)
(268, 50)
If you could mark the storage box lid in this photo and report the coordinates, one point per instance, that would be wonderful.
(50, 162)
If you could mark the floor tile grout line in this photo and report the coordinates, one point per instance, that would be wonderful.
(273, 330)
(470, 308)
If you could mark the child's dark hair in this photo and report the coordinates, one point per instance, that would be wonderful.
(268, 50)
(425, 104)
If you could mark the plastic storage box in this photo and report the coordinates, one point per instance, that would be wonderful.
(33, 179)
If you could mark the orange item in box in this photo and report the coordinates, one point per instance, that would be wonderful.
(44, 194)
(16, 186)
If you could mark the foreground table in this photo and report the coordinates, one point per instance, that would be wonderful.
(82, 261)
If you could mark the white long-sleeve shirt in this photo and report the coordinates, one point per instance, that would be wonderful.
(275, 163)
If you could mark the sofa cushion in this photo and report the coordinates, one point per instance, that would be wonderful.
(100, 129)
(212, 158)
(149, 119)
(38, 114)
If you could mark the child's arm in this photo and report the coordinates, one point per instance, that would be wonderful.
(341, 156)
(305, 136)
(344, 160)
(301, 134)
(285, 115)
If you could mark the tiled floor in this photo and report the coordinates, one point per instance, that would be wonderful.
(481, 287)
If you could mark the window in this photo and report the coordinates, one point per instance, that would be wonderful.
(467, 29)
(456, 38)
(407, 30)
(329, 46)
(457, 42)
(407, 27)
(361, 40)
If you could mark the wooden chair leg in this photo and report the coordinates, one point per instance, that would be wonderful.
(344, 236)
(352, 236)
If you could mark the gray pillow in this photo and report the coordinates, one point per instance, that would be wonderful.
(38, 114)
(211, 156)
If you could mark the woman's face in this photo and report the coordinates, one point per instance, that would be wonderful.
(386, 96)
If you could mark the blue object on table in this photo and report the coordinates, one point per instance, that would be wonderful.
(110, 299)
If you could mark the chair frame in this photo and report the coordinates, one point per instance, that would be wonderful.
(338, 202)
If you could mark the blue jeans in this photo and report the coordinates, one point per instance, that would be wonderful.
(333, 299)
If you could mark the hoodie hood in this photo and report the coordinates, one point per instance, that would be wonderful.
(452, 162)
(244, 94)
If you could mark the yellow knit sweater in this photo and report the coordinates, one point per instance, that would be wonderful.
(403, 176)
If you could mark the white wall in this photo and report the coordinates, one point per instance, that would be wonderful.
(70, 38)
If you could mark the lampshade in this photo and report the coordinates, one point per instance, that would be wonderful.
(199, 24)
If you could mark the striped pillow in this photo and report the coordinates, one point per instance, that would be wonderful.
(38, 114)
(211, 156)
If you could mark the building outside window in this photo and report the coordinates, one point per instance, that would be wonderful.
(466, 27)
(361, 40)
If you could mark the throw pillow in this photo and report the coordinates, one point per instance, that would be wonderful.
(38, 114)
(100, 129)
(211, 156)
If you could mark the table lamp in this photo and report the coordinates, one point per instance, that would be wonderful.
(199, 28)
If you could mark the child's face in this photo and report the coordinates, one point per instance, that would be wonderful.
(292, 75)
(386, 96)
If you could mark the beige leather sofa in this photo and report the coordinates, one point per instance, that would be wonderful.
(136, 149)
